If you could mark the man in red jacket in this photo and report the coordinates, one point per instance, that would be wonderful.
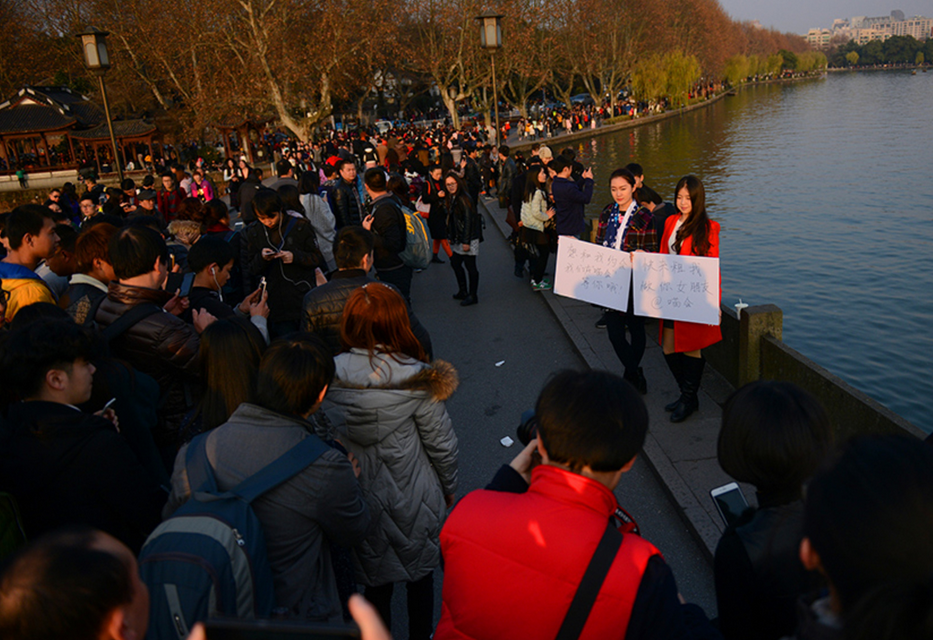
(515, 553)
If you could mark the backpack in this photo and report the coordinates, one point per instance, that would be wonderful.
(417, 253)
(209, 558)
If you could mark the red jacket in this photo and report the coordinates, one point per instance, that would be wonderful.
(691, 336)
(512, 562)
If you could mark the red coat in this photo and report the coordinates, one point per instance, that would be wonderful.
(513, 561)
(691, 336)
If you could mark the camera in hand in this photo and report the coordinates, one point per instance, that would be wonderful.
(528, 429)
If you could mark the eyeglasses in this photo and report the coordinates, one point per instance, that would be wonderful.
(451, 185)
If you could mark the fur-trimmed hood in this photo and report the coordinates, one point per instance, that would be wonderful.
(357, 370)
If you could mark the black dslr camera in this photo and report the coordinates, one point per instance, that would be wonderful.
(528, 428)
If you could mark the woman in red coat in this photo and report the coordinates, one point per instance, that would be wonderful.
(691, 233)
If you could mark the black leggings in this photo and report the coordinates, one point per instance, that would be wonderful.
(420, 605)
(457, 262)
(630, 354)
(540, 263)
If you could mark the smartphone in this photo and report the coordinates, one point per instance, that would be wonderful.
(171, 258)
(272, 630)
(109, 404)
(262, 287)
(186, 283)
(729, 501)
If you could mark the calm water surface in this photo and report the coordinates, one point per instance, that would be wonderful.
(824, 190)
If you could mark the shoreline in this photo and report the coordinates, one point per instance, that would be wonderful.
(586, 134)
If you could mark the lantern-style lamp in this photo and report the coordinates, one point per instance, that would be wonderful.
(490, 30)
(94, 49)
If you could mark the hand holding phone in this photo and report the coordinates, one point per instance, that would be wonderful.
(729, 501)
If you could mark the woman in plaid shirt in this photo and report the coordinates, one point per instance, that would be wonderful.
(627, 226)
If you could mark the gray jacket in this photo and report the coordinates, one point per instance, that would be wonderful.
(322, 503)
(392, 416)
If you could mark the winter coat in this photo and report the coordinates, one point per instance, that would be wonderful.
(437, 218)
(66, 467)
(691, 336)
(323, 309)
(514, 556)
(569, 202)
(160, 345)
(347, 206)
(287, 283)
(463, 222)
(534, 213)
(300, 518)
(389, 233)
(322, 221)
(25, 288)
(82, 296)
(392, 417)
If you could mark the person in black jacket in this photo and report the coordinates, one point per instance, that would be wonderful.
(774, 435)
(387, 222)
(323, 306)
(283, 250)
(63, 466)
(346, 199)
(211, 261)
(88, 286)
(464, 227)
(433, 195)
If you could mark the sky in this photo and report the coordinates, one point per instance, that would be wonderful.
(797, 16)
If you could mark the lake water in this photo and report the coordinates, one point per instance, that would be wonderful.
(824, 190)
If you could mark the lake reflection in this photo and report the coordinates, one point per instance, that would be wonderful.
(824, 190)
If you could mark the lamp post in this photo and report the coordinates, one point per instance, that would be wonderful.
(490, 38)
(97, 60)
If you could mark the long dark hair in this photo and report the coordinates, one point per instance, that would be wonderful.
(696, 227)
(461, 194)
(531, 181)
(230, 353)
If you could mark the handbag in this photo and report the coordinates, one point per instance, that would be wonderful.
(422, 208)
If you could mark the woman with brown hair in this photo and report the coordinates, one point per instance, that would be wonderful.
(691, 233)
(395, 422)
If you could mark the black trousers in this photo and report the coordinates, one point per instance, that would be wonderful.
(420, 605)
(540, 262)
(457, 263)
(629, 353)
(400, 278)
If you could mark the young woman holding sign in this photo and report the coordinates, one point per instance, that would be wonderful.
(626, 226)
(691, 233)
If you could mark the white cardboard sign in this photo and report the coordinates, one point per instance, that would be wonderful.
(676, 287)
(591, 273)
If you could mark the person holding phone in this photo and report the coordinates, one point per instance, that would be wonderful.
(773, 436)
(691, 233)
(282, 249)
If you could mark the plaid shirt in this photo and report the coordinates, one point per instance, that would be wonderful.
(641, 234)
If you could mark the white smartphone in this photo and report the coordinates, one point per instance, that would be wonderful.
(729, 501)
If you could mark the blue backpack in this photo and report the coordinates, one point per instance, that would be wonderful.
(209, 558)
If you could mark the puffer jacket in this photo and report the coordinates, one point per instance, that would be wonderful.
(463, 222)
(347, 206)
(392, 417)
(162, 346)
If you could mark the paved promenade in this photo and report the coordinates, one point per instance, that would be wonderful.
(683, 456)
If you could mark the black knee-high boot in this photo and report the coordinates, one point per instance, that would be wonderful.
(675, 362)
(693, 373)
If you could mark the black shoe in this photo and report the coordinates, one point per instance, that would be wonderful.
(670, 406)
(461, 295)
(519, 271)
(676, 365)
(436, 260)
(470, 299)
(637, 380)
(689, 402)
(601, 323)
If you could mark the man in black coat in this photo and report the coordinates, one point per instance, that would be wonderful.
(387, 222)
(323, 306)
(63, 466)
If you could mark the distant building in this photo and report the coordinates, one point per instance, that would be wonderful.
(819, 38)
(864, 29)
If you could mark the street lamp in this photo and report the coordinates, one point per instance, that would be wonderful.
(490, 38)
(97, 60)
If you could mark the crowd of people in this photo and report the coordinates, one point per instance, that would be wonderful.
(162, 354)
